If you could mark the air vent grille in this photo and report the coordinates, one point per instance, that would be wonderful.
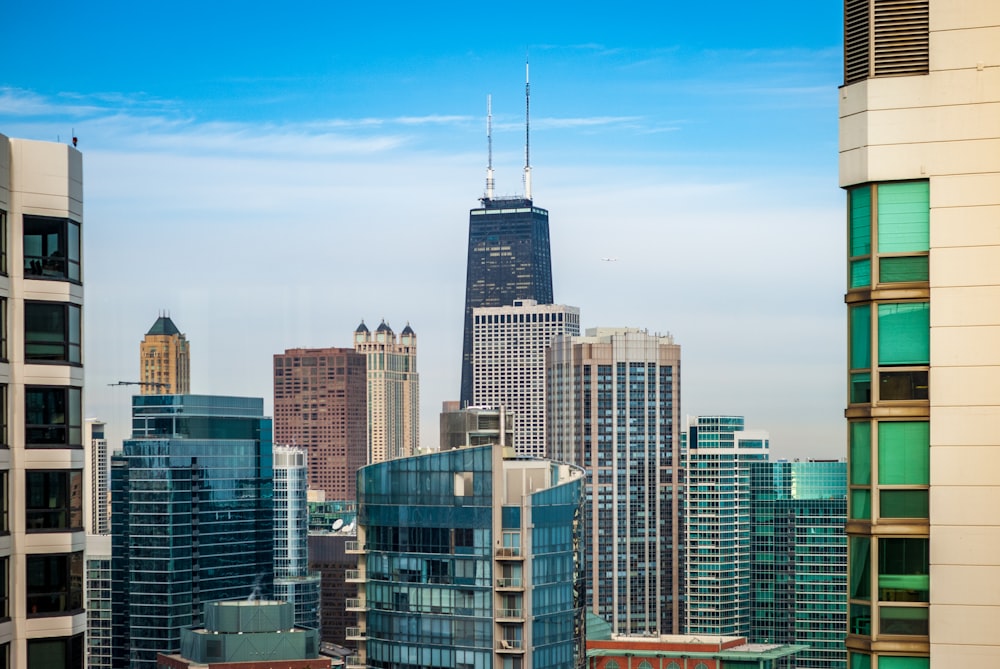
(885, 38)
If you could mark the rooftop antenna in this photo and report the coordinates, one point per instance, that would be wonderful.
(489, 145)
(527, 133)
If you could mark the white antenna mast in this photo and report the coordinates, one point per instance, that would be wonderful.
(489, 144)
(527, 133)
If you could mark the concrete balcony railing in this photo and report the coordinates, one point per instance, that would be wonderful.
(355, 662)
(354, 576)
(353, 547)
(509, 553)
(355, 634)
(510, 645)
(516, 614)
(355, 604)
(509, 583)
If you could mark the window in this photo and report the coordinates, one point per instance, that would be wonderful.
(3, 328)
(62, 653)
(3, 244)
(54, 500)
(889, 230)
(53, 417)
(903, 570)
(896, 662)
(904, 453)
(51, 332)
(54, 584)
(51, 248)
(4, 421)
(904, 333)
(4, 589)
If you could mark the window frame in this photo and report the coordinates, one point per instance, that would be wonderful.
(72, 411)
(65, 504)
(71, 588)
(71, 351)
(35, 265)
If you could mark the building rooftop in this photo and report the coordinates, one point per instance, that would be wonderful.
(362, 327)
(163, 326)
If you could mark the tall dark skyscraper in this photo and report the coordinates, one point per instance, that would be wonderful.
(509, 255)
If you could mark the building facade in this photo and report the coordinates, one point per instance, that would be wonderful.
(393, 391)
(469, 559)
(293, 581)
(164, 360)
(613, 399)
(919, 162)
(328, 557)
(320, 404)
(42, 619)
(98, 498)
(191, 515)
(508, 260)
(717, 455)
(508, 363)
(474, 426)
(798, 571)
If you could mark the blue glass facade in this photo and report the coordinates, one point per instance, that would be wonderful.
(464, 566)
(192, 517)
(508, 260)
(799, 569)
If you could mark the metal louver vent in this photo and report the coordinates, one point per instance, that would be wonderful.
(885, 38)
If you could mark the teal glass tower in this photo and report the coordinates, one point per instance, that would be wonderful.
(468, 558)
(799, 566)
(192, 518)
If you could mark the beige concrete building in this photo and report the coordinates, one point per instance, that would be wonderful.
(42, 620)
(393, 391)
(165, 360)
(508, 363)
(613, 408)
(920, 160)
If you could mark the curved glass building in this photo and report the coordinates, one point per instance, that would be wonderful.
(469, 559)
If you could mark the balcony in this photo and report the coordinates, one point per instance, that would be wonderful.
(510, 646)
(353, 576)
(355, 634)
(356, 604)
(510, 583)
(353, 547)
(509, 553)
(510, 614)
(355, 662)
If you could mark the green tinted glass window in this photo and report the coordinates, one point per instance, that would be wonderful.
(903, 217)
(902, 269)
(861, 220)
(860, 560)
(904, 453)
(861, 504)
(861, 336)
(861, 273)
(860, 660)
(903, 504)
(903, 334)
(890, 662)
(861, 388)
(861, 453)
(903, 570)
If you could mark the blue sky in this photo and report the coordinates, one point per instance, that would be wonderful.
(272, 174)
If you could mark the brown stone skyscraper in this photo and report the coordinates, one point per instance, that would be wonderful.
(320, 404)
(165, 360)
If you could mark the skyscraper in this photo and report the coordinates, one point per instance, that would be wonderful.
(42, 617)
(393, 391)
(508, 363)
(798, 550)
(293, 581)
(164, 360)
(509, 255)
(191, 517)
(919, 161)
(613, 399)
(717, 455)
(468, 558)
(320, 400)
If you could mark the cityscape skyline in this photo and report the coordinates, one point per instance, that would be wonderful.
(674, 169)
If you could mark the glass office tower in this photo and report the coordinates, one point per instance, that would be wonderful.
(508, 260)
(191, 517)
(799, 558)
(469, 559)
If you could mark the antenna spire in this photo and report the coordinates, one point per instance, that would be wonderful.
(527, 132)
(489, 145)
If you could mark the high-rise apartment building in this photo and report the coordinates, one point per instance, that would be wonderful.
(293, 581)
(717, 455)
(508, 363)
(97, 521)
(42, 619)
(97, 499)
(164, 360)
(320, 400)
(613, 399)
(920, 163)
(393, 391)
(798, 569)
(469, 559)
(191, 518)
